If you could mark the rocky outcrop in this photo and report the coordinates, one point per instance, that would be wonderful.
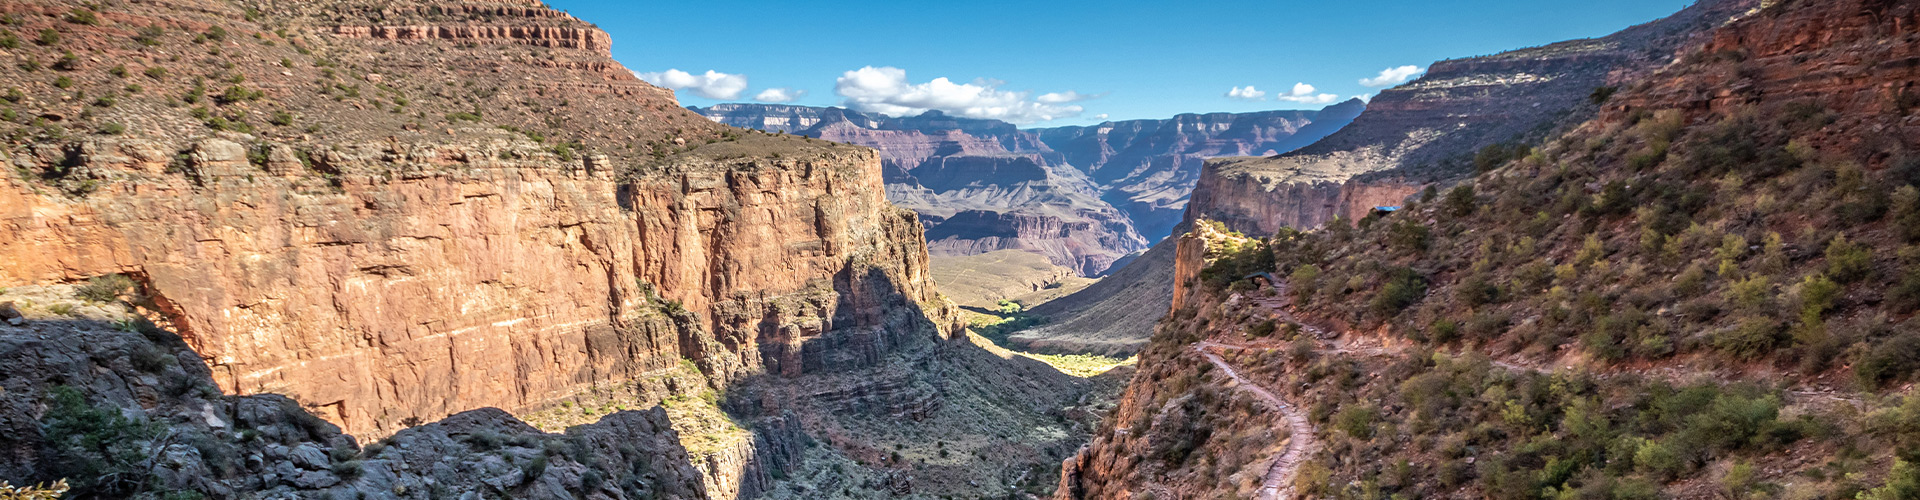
(423, 281)
(1429, 130)
(539, 36)
(88, 376)
(1113, 187)
(1260, 202)
(1854, 73)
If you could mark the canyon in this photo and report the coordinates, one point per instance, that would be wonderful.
(1087, 197)
(385, 217)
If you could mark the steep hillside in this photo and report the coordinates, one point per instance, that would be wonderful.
(1630, 309)
(1440, 127)
(1112, 316)
(1083, 196)
(396, 212)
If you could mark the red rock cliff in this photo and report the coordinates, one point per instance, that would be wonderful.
(424, 280)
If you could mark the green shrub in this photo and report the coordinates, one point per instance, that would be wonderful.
(1817, 295)
(1403, 288)
(1409, 236)
(155, 72)
(1356, 421)
(1848, 262)
(1903, 483)
(1303, 281)
(104, 288)
(1753, 293)
(83, 16)
(1892, 360)
(1658, 460)
(1444, 331)
(1460, 201)
(97, 448)
(49, 37)
(1262, 329)
(1752, 338)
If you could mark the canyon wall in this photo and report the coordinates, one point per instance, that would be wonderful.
(426, 280)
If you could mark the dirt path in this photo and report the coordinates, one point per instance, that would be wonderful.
(1302, 442)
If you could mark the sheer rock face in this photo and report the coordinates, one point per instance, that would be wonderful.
(430, 279)
(1428, 130)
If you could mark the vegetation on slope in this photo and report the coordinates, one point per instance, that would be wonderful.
(1691, 296)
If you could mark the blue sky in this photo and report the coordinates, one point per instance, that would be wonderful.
(1074, 62)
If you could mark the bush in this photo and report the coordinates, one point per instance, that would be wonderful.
(1889, 361)
(348, 470)
(1356, 421)
(96, 447)
(1657, 460)
(1404, 287)
(1409, 236)
(1262, 329)
(1460, 201)
(1903, 483)
(1752, 338)
(1848, 262)
(104, 288)
(83, 16)
(49, 37)
(155, 72)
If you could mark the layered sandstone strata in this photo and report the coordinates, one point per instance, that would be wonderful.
(384, 283)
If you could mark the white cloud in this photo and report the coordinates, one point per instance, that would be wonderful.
(1364, 97)
(1247, 93)
(885, 90)
(779, 95)
(1066, 97)
(1393, 76)
(1101, 116)
(1304, 94)
(712, 85)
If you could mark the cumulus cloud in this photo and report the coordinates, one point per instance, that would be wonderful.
(712, 85)
(1247, 93)
(885, 90)
(1393, 76)
(1101, 116)
(1305, 94)
(779, 95)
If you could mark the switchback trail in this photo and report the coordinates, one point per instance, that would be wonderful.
(1302, 441)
